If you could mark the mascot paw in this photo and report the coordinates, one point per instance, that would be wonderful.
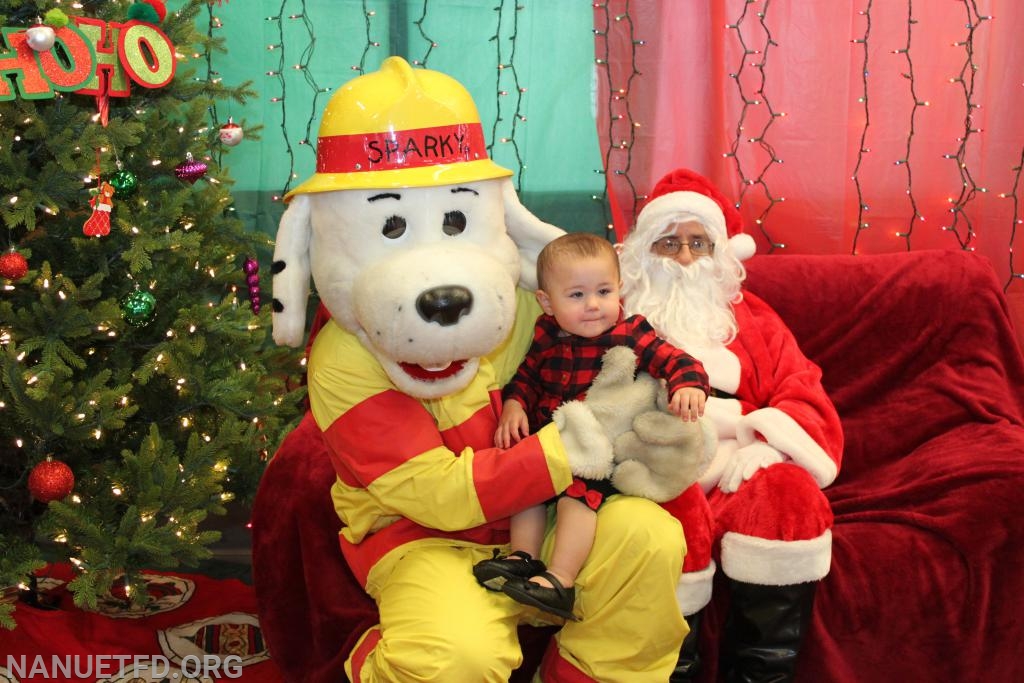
(662, 455)
(618, 366)
(289, 330)
(587, 448)
(615, 396)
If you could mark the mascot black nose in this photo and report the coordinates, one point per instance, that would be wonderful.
(444, 305)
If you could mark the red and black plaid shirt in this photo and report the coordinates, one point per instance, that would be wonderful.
(560, 367)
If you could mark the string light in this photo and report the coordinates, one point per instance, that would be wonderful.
(1014, 221)
(430, 41)
(508, 67)
(278, 74)
(754, 100)
(368, 16)
(916, 104)
(862, 148)
(618, 157)
(969, 189)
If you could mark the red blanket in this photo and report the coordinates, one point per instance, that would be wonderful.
(197, 626)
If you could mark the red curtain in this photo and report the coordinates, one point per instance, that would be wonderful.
(840, 127)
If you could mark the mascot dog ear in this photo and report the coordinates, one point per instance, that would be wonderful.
(528, 232)
(291, 272)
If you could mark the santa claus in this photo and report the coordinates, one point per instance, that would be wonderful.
(759, 510)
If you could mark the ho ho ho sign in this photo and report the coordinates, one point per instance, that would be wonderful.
(89, 57)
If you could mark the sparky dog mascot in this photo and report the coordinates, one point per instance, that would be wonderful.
(416, 242)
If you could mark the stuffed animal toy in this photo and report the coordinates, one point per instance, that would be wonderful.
(655, 455)
(416, 242)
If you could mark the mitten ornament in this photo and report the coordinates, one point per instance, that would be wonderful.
(98, 224)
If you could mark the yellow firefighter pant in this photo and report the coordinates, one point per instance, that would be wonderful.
(438, 624)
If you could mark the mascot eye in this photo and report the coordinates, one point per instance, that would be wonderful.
(394, 227)
(454, 223)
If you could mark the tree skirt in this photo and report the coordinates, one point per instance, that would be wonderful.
(196, 629)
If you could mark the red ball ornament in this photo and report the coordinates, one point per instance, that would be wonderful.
(50, 480)
(13, 265)
(190, 170)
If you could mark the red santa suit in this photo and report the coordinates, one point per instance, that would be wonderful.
(775, 528)
(759, 507)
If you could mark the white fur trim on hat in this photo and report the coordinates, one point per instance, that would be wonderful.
(743, 246)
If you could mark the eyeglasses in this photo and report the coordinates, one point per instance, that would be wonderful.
(672, 245)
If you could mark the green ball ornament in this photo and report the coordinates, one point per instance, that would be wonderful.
(138, 308)
(124, 183)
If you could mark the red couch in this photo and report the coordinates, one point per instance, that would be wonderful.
(927, 573)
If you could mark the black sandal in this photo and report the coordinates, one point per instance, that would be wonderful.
(558, 600)
(491, 574)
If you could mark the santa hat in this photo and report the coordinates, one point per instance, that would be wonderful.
(683, 195)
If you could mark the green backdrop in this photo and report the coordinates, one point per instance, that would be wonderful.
(553, 147)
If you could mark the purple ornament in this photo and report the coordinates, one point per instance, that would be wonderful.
(190, 170)
(252, 278)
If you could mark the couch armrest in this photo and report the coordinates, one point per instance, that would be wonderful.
(911, 344)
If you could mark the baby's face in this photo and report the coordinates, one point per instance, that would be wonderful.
(583, 295)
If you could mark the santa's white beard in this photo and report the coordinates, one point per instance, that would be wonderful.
(690, 306)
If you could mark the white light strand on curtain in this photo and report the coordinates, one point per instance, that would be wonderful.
(917, 104)
(277, 73)
(307, 73)
(618, 113)
(507, 67)
(368, 15)
(750, 101)
(431, 44)
(862, 148)
(965, 79)
(1014, 221)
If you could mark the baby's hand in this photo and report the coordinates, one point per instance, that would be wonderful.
(513, 425)
(688, 403)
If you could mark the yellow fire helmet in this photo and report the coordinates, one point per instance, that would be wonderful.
(399, 127)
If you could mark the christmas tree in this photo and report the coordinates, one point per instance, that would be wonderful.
(139, 390)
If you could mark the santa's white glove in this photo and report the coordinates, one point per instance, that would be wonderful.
(744, 462)
(587, 448)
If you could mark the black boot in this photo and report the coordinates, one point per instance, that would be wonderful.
(689, 658)
(764, 630)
